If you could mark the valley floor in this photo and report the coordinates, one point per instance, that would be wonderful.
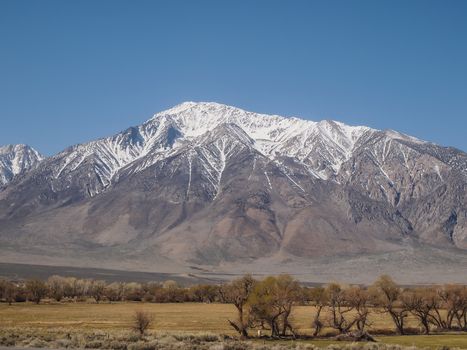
(410, 266)
(25, 324)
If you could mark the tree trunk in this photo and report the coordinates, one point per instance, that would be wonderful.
(240, 329)
(318, 325)
(426, 325)
(286, 323)
(398, 321)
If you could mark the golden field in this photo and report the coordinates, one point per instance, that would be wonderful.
(185, 317)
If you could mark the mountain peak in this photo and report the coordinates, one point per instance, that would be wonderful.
(18, 148)
(187, 105)
(15, 160)
(222, 113)
(206, 183)
(12, 147)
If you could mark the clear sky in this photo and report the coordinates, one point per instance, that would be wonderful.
(73, 71)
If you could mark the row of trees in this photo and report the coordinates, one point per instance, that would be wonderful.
(73, 289)
(267, 304)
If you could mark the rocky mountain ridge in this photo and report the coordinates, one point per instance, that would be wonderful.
(16, 160)
(204, 184)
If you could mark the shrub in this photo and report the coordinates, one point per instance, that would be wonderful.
(141, 322)
(117, 345)
(93, 344)
(143, 346)
(37, 343)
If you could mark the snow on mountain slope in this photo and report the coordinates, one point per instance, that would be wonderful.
(15, 160)
(321, 147)
(204, 183)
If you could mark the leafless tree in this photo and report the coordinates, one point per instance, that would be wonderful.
(319, 299)
(387, 295)
(114, 291)
(359, 299)
(340, 309)
(421, 302)
(7, 291)
(237, 292)
(97, 290)
(56, 285)
(454, 301)
(141, 322)
(37, 290)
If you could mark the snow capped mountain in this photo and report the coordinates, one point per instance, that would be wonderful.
(210, 133)
(321, 146)
(15, 160)
(274, 136)
(205, 183)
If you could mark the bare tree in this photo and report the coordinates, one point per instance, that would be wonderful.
(114, 291)
(359, 299)
(449, 302)
(237, 292)
(421, 303)
(133, 291)
(78, 288)
(387, 295)
(97, 290)
(290, 294)
(70, 287)
(56, 285)
(461, 313)
(319, 299)
(454, 300)
(141, 322)
(37, 290)
(203, 293)
(7, 291)
(340, 309)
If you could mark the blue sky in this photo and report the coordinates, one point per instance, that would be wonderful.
(73, 71)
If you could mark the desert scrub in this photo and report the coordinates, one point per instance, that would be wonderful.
(117, 345)
(118, 340)
(141, 345)
(198, 337)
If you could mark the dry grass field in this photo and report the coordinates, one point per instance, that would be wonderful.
(186, 317)
(189, 317)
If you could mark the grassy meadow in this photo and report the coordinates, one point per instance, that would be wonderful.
(189, 318)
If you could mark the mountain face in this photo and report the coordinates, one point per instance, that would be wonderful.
(215, 187)
(16, 160)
